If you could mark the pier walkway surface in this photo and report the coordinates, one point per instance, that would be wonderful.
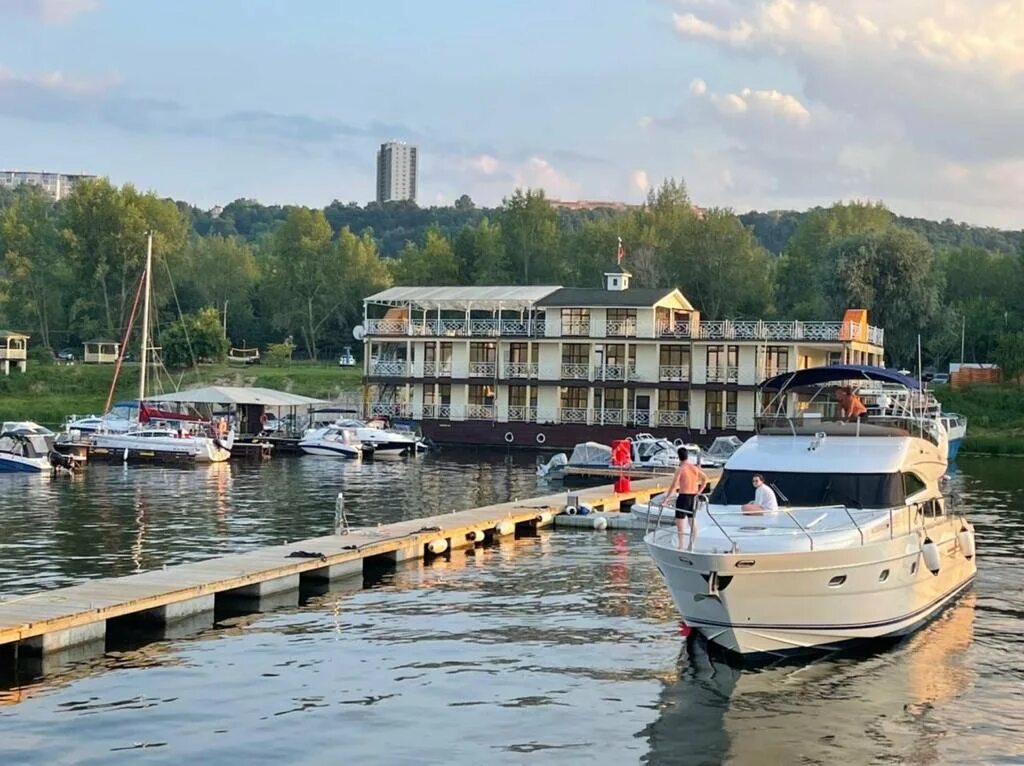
(55, 621)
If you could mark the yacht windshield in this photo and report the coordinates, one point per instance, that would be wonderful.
(853, 490)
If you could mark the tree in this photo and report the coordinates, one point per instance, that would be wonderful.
(363, 273)
(892, 274)
(529, 230)
(224, 274)
(303, 276)
(1009, 356)
(804, 267)
(464, 202)
(479, 252)
(194, 338)
(432, 264)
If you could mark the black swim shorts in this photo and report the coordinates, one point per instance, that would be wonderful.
(684, 506)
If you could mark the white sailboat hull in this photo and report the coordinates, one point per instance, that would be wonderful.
(776, 603)
(199, 449)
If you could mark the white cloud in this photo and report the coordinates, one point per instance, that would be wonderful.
(538, 173)
(49, 11)
(698, 87)
(639, 181)
(486, 164)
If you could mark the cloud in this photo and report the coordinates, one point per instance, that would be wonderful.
(48, 11)
(639, 181)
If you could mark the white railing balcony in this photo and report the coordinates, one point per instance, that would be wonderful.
(572, 415)
(610, 417)
(610, 372)
(573, 371)
(482, 369)
(620, 328)
(390, 409)
(447, 327)
(642, 417)
(437, 411)
(771, 370)
(576, 328)
(723, 374)
(730, 420)
(674, 372)
(437, 369)
(680, 329)
(393, 368)
(521, 369)
(520, 413)
(387, 327)
(876, 336)
(480, 412)
(480, 327)
(674, 418)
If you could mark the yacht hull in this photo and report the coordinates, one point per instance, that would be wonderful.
(330, 450)
(19, 464)
(780, 603)
(127, 448)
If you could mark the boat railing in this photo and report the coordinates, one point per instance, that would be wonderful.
(813, 424)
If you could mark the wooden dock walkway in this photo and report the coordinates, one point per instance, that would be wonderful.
(56, 620)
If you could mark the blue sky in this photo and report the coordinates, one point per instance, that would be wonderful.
(780, 103)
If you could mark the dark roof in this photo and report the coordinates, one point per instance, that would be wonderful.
(816, 376)
(619, 269)
(593, 296)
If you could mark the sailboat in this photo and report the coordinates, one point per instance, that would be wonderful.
(151, 437)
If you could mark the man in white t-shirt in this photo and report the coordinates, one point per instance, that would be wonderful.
(764, 497)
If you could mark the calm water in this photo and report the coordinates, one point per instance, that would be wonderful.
(560, 648)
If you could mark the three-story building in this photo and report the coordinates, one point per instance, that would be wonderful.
(554, 366)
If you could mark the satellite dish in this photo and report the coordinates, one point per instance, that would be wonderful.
(358, 332)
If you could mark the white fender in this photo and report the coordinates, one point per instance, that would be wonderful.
(503, 528)
(475, 536)
(931, 555)
(571, 510)
(543, 518)
(965, 538)
(437, 546)
(600, 523)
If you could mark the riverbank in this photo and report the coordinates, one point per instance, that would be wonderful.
(48, 394)
(995, 417)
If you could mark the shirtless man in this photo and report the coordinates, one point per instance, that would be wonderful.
(688, 482)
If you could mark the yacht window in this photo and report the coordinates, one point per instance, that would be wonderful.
(863, 490)
(912, 484)
(883, 576)
(836, 581)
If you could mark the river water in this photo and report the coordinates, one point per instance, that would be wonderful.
(562, 647)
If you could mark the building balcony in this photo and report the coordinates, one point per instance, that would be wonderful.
(521, 370)
(610, 372)
(576, 328)
(723, 374)
(466, 328)
(714, 421)
(437, 411)
(520, 413)
(575, 371)
(390, 409)
(437, 369)
(679, 329)
(771, 370)
(573, 415)
(479, 412)
(620, 328)
(391, 368)
(677, 373)
(673, 418)
(609, 417)
(483, 369)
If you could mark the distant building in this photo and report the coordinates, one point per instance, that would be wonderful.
(396, 172)
(589, 204)
(57, 185)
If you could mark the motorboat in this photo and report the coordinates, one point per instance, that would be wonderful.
(379, 440)
(880, 399)
(118, 420)
(721, 449)
(25, 447)
(646, 451)
(162, 444)
(584, 455)
(863, 544)
(956, 431)
(331, 441)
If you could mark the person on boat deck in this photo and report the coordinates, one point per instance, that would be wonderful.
(850, 405)
(688, 482)
(764, 497)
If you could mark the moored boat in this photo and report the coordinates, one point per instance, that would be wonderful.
(863, 544)
(331, 441)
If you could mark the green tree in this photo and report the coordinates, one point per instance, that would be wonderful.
(530, 233)
(480, 254)
(363, 273)
(224, 274)
(194, 338)
(893, 275)
(1009, 355)
(303, 276)
(32, 274)
(804, 267)
(432, 264)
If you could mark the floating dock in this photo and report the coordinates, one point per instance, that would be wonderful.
(72, 622)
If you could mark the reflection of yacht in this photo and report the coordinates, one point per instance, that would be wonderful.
(863, 545)
(332, 441)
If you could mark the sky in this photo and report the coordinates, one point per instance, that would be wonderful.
(770, 104)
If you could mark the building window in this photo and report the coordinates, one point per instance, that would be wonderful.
(621, 322)
(517, 396)
(609, 399)
(720, 409)
(574, 397)
(481, 395)
(675, 356)
(518, 353)
(575, 321)
(776, 359)
(575, 353)
(481, 352)
(674, 400)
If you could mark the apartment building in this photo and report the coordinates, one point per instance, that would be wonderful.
(553, 366)
(397, 166)
(57, 185)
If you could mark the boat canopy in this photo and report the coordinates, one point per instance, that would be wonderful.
(266, 397)
(836, 373)
(591, 453)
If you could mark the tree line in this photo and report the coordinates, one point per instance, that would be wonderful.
(69, 270)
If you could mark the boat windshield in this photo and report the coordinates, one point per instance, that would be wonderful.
(792, 489)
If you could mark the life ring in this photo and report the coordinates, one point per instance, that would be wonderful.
(509, 437)
(541, 438)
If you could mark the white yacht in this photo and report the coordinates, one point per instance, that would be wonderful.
(382, 441)
(331, 441)
(145, 444)
(863, 545)
(25, 447)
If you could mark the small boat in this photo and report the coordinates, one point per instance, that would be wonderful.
(379, 440)
(863, 544)
(161, 444)
(882, 399)
(956, 431)
(25, 447)
(332, 441)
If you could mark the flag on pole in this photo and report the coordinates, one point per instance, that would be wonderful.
(621, 254)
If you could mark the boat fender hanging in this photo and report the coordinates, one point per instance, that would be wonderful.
(600, 523)
(541, 438)
(965, 538)
(475, 536)
(584, 510)
(509, 437)
(571, 510)
(932, 557)
(437, 546)
(503, 528)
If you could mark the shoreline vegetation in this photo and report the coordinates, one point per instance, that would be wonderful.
(49, 394)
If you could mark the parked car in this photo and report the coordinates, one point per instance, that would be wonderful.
(66, 355)
(347, 359)
(940, 379)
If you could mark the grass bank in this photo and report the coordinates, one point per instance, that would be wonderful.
(48, 394)
(995, 417)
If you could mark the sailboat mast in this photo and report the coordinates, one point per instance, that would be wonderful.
(143, 357)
